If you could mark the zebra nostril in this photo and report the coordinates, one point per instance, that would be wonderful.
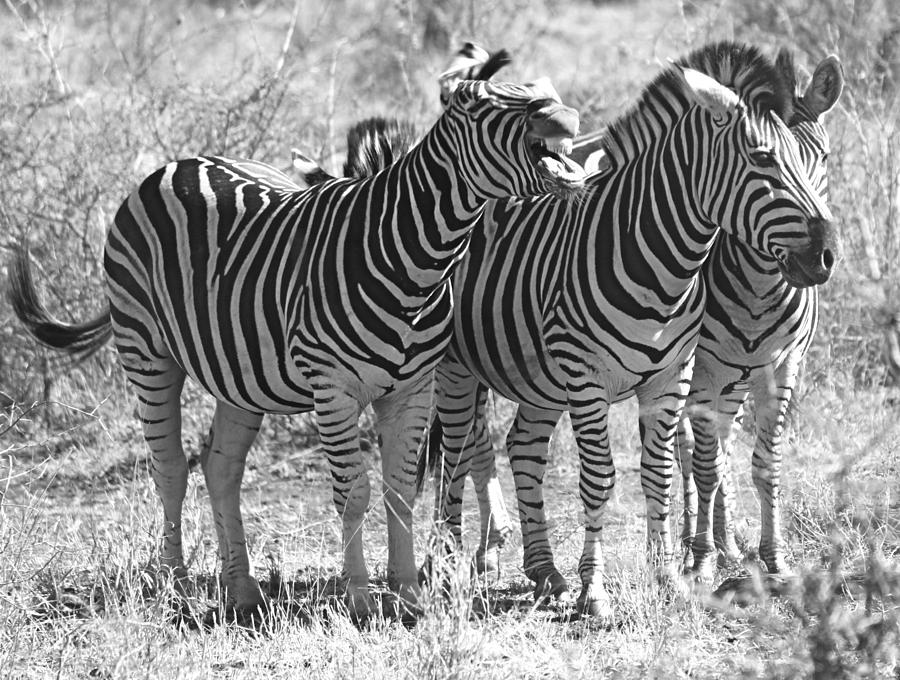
(827, 259)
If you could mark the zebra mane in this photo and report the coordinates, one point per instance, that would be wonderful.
(375, 143)
(743, 68)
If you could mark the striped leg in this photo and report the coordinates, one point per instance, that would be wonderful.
(230, 437)
(338, 415)
(589, 411)
(456, 406)
(527, 443)
(712, 416)
(495, 523)
(157, 383)
(684, 452)
(771, 398)
(401, 422)
(724, 532)
(660, 406)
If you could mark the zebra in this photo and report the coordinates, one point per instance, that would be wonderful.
(372, 145)
(755, 333)
(578, 307)
(519, 293)
(375, 142)
(782, 316)
(281, 300)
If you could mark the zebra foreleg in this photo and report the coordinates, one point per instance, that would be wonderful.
(684, 451)
(589, 411)
(527, 442)
(724, 532)
(495, 523)
(338, 413)
(712, 413)
(230, 437)
(457, 397)
(660, 407)
(772, 395)
(401, 422)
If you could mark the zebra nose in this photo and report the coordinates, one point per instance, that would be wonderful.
(549, 118)
(823, 233)
(825, 247)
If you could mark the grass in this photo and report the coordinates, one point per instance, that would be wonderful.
(98, 95)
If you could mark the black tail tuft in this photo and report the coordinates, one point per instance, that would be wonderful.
(81, 340)
(429, 452)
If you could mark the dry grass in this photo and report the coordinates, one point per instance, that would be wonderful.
(95, 96)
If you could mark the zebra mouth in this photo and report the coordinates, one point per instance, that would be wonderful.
(800, 275)
(550, 156)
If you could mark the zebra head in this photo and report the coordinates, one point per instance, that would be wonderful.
(512, 140)
(746, 165)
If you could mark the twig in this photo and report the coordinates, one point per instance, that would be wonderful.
(332, 72)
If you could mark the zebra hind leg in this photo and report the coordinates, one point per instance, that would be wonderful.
(157, 383)
(337, 414)
(230, 437)
(401, 421)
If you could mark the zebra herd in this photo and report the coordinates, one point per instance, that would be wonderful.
(483, 257)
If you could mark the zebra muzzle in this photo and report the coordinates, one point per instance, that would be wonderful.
(813, 264)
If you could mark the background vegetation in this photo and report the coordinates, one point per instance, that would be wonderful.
(94, 96)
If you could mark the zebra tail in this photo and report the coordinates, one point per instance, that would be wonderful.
(81, 340)
(429, 452)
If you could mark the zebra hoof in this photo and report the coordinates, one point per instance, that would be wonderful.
(594, 602)
(359, 603)
(553, 586)
(243, 594)
(487, 562)
(704, 570)
(777, 564)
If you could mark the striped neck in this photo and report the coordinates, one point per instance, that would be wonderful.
(656, 194)
(421, 211)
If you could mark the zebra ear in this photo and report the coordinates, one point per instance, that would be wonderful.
(826, 86)
(708, 92)
(310, 172)
(463, 66)
(302, 163)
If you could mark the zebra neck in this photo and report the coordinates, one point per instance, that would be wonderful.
(650, 203)
(422, 213)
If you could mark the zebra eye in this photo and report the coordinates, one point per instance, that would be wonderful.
(763, 158)
(824, 156)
